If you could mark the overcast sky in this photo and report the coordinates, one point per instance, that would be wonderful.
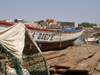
(61, 10)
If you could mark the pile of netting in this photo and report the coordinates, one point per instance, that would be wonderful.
(33, 62)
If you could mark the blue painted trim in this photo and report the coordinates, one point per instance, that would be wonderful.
(54, 41)
(71, 29)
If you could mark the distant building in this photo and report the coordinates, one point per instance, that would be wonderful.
(51, 22)
(35, 21)
(9, 21)
(19, 20)
(47, 21)
(68, 24)
(62, 25)
(97, 28)
(53, 27)
(30, 24)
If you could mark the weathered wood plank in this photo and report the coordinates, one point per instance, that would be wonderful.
(98, 66)
(96, 73)
(70, 63)
(56, 60)
(61, 70)
(59, 62)
(87, 65)
(53, 56)
(49, 53)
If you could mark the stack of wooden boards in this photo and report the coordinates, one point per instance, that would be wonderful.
(86, 64)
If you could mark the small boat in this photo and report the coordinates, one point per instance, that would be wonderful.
(48, 39)
(94, 38)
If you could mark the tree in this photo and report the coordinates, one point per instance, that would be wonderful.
(42, 21)
(94, 24)
(86, 24)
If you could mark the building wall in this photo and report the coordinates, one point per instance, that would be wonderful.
(51, 22)
(68, 24)
(75, 24)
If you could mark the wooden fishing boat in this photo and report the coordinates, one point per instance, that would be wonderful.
(94, 38)
(54, 39)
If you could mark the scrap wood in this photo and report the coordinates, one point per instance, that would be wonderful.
(98, 66)
(61, 70)
(96, 73)
(47, 57)
(52, 69)
(87, 65)
(92, 68)
(53, 56)
(88, 55)
(55, 60)
(24, 64)
(49, 53)
(59, 62)
(69, 63)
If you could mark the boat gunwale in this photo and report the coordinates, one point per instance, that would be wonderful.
(32, 28)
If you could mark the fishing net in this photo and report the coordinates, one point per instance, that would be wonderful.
(33, 61)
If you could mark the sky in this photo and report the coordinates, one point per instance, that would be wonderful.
(61, 10)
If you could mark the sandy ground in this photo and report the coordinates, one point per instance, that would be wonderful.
(80, 49)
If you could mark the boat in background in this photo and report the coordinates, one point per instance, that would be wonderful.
(94, 38)
(48, 39)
